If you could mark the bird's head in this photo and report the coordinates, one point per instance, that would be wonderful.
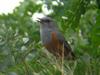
(47, 22)
(44, 20)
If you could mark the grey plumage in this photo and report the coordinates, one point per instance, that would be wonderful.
(48, 26)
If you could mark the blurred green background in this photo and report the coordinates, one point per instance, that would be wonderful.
(21, 52)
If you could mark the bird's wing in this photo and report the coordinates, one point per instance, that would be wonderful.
(68, 50)
(58, 37)
(59, 42)
(63, 40)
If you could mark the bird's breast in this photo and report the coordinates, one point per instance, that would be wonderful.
(54, 45)
(45, 36)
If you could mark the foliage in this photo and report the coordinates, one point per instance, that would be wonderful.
(21, 52)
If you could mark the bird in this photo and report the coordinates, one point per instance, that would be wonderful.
(53, 40)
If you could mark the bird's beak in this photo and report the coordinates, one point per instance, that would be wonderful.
(39, 20)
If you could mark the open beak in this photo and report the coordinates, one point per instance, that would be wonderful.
(39, 20)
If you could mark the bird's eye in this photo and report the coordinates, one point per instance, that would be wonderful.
(46, 20)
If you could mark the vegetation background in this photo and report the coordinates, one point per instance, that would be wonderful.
(21, 52)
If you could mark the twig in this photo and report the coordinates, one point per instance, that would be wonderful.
(62, 61)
